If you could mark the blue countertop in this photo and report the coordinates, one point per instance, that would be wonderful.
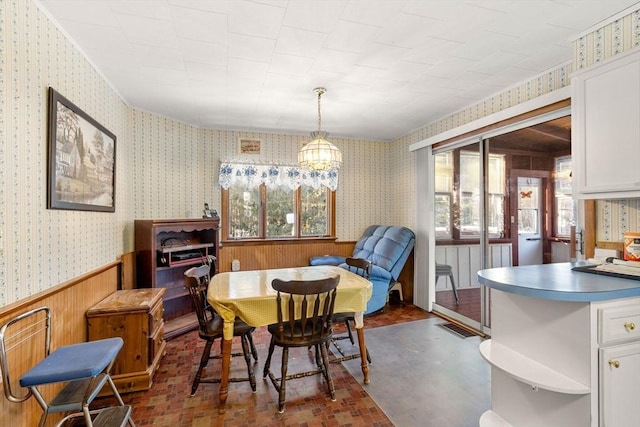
(558, 282)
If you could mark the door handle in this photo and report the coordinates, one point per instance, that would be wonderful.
(532, 239)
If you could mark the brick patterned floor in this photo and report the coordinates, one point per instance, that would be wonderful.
(168, 402)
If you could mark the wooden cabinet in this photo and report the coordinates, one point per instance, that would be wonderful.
(165, 249)
(606, 128)
(135, 316)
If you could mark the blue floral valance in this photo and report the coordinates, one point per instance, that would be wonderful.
(271, 176)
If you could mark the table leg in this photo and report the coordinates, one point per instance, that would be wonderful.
(224, 378)
(363, 354)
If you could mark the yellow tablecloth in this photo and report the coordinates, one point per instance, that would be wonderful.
(249, 295)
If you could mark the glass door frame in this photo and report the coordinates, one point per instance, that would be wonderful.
(482, 148)
(484, 325)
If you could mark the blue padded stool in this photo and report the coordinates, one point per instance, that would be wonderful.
(83, 367)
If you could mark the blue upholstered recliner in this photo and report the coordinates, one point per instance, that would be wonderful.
(388, 248)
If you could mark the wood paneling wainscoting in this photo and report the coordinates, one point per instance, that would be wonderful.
(254, 255)
(69, 302)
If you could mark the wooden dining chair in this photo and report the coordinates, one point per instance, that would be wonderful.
(210, 328)
(304, 310)
(361, 267)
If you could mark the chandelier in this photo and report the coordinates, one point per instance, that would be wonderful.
(320, 154)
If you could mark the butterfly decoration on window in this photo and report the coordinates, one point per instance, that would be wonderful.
(525, 194)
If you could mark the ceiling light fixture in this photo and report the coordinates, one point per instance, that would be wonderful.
(320, 154)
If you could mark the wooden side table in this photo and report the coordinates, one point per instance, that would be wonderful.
(136, 316)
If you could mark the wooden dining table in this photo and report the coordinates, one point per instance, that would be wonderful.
(248, 295)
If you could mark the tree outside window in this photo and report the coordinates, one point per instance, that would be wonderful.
(565, 205)
(278, 211)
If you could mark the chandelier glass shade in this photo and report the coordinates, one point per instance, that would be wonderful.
(320, 154)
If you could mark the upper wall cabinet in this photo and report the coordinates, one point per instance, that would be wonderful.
(605, 125)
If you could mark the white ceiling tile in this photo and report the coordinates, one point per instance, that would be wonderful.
(389, 66)
(290, 64)
(217, 6)
(381, 56)
(198, 25)
(147, 31)
(312, 15)
(250, 47)
(204, 52)
(351, 36)
(247, 69)
(373, 12)
(255, 19)
(334, 61)
(295, 41)
(402, 31)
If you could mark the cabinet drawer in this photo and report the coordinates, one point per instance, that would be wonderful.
(156, 342)
(617, 324)
(155, 318)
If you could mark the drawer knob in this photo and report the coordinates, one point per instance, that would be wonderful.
(614, 363)
(630, 326)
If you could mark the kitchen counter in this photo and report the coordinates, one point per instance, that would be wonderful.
(558, 282)
(564, 348)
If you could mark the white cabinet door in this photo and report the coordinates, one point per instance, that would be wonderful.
(606, 128)
(620, 385)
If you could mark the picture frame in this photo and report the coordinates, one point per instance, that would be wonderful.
(81, 159)
(249, 145)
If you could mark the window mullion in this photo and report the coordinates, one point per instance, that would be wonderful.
(262, 216)
(298, 210)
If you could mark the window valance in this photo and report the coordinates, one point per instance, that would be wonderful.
(273, 175)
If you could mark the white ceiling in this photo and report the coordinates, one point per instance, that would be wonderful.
(389, 66)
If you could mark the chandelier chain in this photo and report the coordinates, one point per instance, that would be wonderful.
(319, 114)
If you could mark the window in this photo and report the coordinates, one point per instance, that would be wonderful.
(262, 212)
(277, 202)
(443, 200)
(565, 206)
(465, 214)
(470, 194)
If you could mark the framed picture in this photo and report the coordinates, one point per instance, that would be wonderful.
(249, 146)
(82, 159)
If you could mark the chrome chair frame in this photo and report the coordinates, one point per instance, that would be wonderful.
(83, 381)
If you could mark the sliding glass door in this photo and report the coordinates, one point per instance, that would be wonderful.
(460, 203)
(493, 207)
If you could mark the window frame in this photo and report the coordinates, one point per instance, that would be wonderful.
(555, 227)
(225, 228)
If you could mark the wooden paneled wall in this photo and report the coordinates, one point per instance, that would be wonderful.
(264, 255)
(465, 262)
(68, 302)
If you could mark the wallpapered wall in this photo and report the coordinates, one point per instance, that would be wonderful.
(176, 170)
(614, 217)
(40, 248)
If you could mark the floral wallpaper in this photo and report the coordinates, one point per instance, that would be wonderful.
(176, 168)
(39, 247)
